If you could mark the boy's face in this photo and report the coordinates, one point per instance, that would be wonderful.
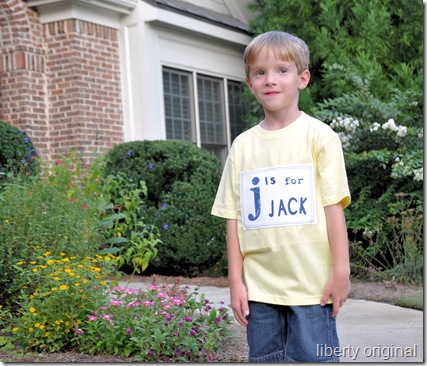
(276, 83)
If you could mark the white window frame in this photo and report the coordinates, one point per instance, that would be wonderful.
(153, 38)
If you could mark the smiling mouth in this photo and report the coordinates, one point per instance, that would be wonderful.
(272, 93)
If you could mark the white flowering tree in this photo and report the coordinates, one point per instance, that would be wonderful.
(383, 148)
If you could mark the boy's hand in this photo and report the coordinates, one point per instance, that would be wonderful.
(239, 303)
(338, 288)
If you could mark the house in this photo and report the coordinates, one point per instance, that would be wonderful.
(89, 74)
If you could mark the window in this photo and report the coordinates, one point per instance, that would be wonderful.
(237, 109)
(178, 106)
(212, 125)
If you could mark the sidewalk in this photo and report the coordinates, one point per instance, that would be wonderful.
(369, 331)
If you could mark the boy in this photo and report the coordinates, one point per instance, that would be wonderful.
(283, 191)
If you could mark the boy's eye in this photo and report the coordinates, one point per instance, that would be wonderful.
(282, 70)
(259, 73)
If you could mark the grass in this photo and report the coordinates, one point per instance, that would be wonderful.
(413, 302)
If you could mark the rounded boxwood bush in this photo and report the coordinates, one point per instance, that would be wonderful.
(182, 181)
(17, 152)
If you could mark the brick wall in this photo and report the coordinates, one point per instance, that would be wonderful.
(60, 82)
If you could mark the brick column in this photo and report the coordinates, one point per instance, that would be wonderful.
(83, 69)
(60, 81)
(22, 73)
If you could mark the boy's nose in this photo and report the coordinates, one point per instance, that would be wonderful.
(270, 78)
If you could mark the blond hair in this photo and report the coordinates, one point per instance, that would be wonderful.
(286, 47)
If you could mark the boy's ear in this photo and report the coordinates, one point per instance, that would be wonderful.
(248, 81)
(304, 79)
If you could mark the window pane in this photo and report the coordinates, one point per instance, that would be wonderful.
(178, 110)
(211, 110)
(237, 109)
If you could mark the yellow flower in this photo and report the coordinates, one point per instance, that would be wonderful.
(41, 326)
(62, 253)
(35, 314)
(14, 329)
(67, 270)
(54, 288)
(30, 329)
(37, 325)
(67, 324)
(56, 279)
(57, 322)
(47, 254)
(35, 270)
(39, 257)
(84, 297)
(47, 335)
(103, 283)
(33, 262)
(77, 284)
(50, 262)
(20, 263)
(63, 287)
(71, 274)
(85, 280)
(107, 259)
(32, 310)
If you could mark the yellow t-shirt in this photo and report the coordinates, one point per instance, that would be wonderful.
(276, 184)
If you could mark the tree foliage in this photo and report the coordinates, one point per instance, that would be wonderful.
(380, 38)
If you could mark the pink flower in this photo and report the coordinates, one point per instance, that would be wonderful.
(177, 301)
(154, 287)
(128, 331)
(115, 303)
(161, 295)
(92, 318)
(79, 331)
(106, 316)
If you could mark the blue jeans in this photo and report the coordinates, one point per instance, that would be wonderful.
(279, 333)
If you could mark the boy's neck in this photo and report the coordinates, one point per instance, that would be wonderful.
(274, 122)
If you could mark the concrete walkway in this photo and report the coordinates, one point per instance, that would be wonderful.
(369, 331)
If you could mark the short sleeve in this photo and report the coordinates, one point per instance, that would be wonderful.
(225, 204)
(332, 173)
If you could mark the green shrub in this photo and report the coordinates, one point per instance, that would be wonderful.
(17, 152)
(56, 212)
(123, 228)
(182, 181)
(64, 290)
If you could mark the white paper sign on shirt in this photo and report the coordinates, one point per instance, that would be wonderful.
(278, 196)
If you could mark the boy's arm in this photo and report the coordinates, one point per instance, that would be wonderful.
(238, 291)
(338, 286)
